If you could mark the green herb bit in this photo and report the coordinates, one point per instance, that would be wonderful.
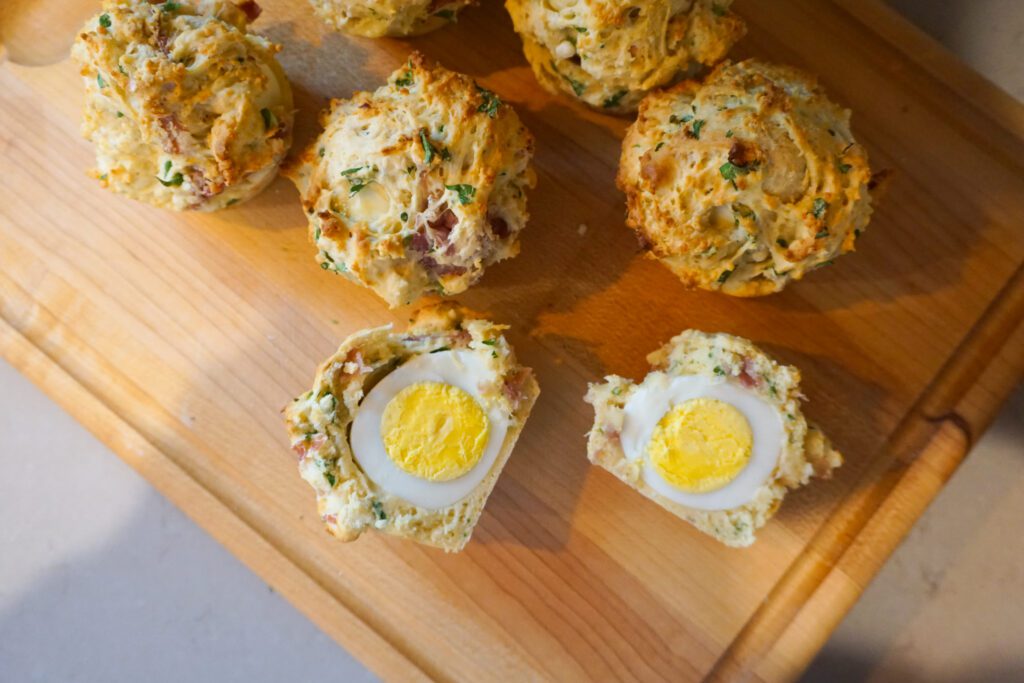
(845, 168)
(410, 169)
(120, 114)
(819, 208)
(697, 125)
(782, 243)
(357, 186)
(404, 216)
(406, 80)
(728, 133)
(821, 234)
(445, 154)
(439, 349)
(105, 20)
(233, 201)
(465, 192)
(580, 29)
(724, 276)
(718, 10)
(491, 102)
(489, 342)
(324, 265)
(679, 120)
(576, 86)
(170, 7)
(428, 149)
(617, 391)
(718, 370)
(659, 145)
(269, 120)
(176, 180)
(329, 476)
(614, 100)
(378, 510)
(320, 152)
(354, 169)
(448, 14)
(743, 211)
(100, 82)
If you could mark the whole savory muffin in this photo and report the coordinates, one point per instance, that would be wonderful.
(187, 110)
(745, 181)
(408, 433)
(714, 434)
(377, 18)
(419, 186)
(610, 54)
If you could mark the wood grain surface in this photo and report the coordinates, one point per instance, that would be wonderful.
(177, 339)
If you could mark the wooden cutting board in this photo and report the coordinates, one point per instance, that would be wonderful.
(177, 339)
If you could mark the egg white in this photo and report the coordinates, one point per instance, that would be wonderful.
(659, 393)
(463, 369)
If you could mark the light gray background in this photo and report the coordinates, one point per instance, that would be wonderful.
(101, 579)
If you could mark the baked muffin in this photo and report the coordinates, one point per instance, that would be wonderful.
(714, 434)
(187, 110)
(610, 54)
(745, 181)
(408, 433)
(419, 186)
(378, 18)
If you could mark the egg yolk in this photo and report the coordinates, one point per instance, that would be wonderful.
(434, 431)
(701, 445)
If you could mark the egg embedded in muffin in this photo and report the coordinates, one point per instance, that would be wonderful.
(378, 18)
(407, 433)
(185, 107)
(419, 186)
(714, 433)
(610, 54)
(745, 181)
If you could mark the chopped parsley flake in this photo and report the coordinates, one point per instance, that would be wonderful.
(821, 234)
(616, 391)
(577, 87)
(170, 7)
(355, 187)
(724, 276)
(489, 342)
(718, 368)
(378, 510)
(447, 14)
(105, 20)
(697, 125)
(743, 211)
(439, 349)
(465, 192)
(428, 149)
(404, 216)
(614, 100)
(491, 102)
(329, 476)
(100, 82)
(350, 171)
(174, 181)
(120, 114)
(269, 120)
(445, 154)
(845, 168)
(819, 208)
(580, 29)
(728, 133)
(676, 119)
(659, 145)
(320, 152)
(782, 243)
(406, 80)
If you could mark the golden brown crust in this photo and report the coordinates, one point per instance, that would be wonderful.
(418, 186)
(379, 18)
(609, 54)
(186, 108)
(745, 181)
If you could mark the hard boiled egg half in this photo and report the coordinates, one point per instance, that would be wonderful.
(425, 434)
(702, 441)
